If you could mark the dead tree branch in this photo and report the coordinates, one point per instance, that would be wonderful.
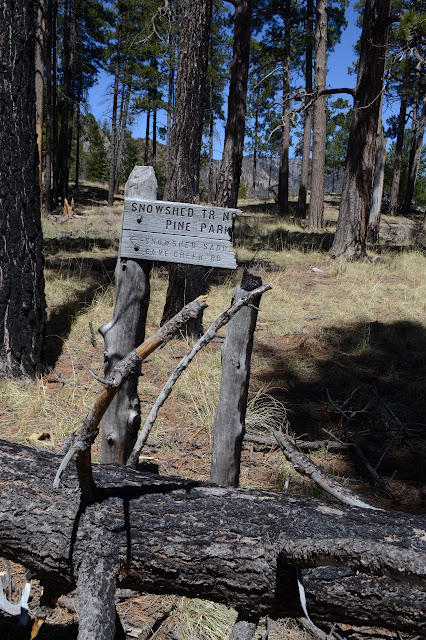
(90, 429)
(183, 364)
(306, 467)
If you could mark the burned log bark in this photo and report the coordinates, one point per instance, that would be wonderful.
(239, 547)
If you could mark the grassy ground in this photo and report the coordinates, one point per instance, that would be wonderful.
(339, 349)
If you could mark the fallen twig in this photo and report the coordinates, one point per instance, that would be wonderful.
(306, 467)
(183, 364)
(263, 442)
(90, 429)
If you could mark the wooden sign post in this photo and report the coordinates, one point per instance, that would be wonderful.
(178, 232)
(152, 230)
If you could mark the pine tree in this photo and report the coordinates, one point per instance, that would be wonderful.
(350, 239)
(22, 300)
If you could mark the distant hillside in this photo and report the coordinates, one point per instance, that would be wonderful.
(267, 175)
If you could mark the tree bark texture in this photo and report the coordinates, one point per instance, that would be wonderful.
(415, 155)
(126, 330)
(349, 241)
(113, 145)
(228, 181)
(186, 282)
(283, 177)
(396, 177)
(22, 301)
(229, 421)
(377, 192)
(48, 143)
(307, 126)
(39, 80)
(316, 207)
(239, 547)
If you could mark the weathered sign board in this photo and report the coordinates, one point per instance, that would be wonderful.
(177, 232)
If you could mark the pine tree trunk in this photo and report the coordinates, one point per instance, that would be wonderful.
(39, 81)
(316, 207)
(63, 150)
(396, 178)
(170, 104)
(55, 103)
(154, 137)
(48, 154)
(113, 147)
(256, 141)
(307, 127)
(186, 282)
(123, 125)
(377, 193)
(146, 151)
(77, 136)
(228, 181)
(285, 135)
(415, 155)
(349, 241)
(22, 301)
(210, 195)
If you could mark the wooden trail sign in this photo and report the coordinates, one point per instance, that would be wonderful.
(178, 232)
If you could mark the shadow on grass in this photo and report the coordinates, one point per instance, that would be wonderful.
(372, 372)
(61, 318)
(252, 235)
(77, 244)
(88, 195)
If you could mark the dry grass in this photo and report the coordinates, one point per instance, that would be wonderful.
(348, 325)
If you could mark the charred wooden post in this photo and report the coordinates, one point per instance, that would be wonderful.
(229, 422)
(124, 332)
(81, 442)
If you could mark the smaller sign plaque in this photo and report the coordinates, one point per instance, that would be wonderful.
(177, 232)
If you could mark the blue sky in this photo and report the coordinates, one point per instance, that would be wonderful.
(337, 76)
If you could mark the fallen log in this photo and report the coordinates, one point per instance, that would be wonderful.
(239, 547)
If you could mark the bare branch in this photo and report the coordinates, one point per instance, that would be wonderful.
(306, 467)
(183, 364)
(120, 374)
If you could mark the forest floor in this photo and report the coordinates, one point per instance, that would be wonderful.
(339, 352)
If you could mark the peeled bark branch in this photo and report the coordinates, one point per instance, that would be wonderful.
(306, 467)
(235, 546)
(183, 364)
(121, 372)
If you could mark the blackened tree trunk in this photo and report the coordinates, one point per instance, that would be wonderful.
(63, 149)
(230, 167)
(39, 80)
(396, 177)
(349, 241)
(186, 282)
(55, 102)
(316, 208)
(307, 126)
(415, 154)
(22, 301)
(285, 134)
(235, 546)
(48, 154)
